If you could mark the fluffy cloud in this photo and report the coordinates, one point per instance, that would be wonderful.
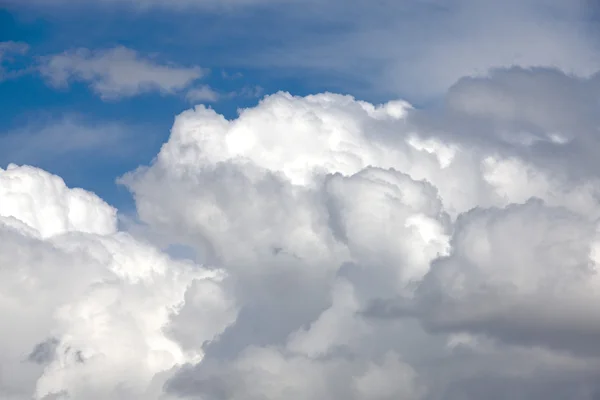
(358, 235)
(88, 305)
(117, 72)
(495, 285)
(357, 251)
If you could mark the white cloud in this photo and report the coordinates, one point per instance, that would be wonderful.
(89, 305)
(358, 251)
(117, 72)
(342, 221)
(44, 203)
(534, 290)
(202, 94)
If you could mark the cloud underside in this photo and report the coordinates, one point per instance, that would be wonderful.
(340, 250)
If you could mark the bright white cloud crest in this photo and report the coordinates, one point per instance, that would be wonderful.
(86, 305)
(43, 202)
(348, 251)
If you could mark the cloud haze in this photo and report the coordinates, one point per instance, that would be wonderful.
(415, 48)
(420, 48)
(45, 140)
(8, 50)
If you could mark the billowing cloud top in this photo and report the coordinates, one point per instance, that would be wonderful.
(85, 306)
(43, 202)
(347, 250)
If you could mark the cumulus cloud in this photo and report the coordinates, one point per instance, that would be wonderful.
(495, 285)
(342, 250)
(442, 245)
(88, 305)
(117, 72)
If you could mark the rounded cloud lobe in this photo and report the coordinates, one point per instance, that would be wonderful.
(86, 306)
(346, 250)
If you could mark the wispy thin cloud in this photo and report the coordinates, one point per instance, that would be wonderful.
(68, 137)
(176, 5)
(202, 94)
(8, 51)
(415, 48)
(205, 94)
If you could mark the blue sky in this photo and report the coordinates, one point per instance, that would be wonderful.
(412, 50)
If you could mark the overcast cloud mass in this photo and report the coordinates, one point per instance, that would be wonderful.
(318, 246)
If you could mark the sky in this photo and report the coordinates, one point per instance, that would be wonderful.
(303, 199)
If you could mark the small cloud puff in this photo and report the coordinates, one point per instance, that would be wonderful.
(116, 73)
(202, 94)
